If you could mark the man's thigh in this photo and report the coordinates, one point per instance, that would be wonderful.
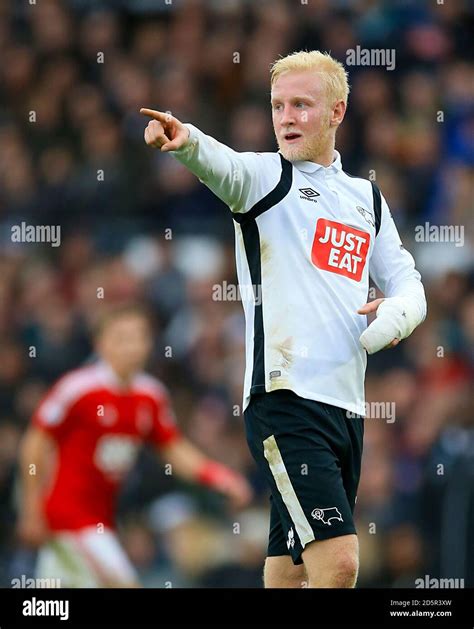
(322, 555)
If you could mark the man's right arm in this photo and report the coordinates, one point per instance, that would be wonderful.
(240, 180)
(35, 469)
(50, 422)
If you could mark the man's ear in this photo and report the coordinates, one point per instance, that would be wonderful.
(338, 113)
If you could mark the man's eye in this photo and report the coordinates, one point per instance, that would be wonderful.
(300, 104)
(276, 107)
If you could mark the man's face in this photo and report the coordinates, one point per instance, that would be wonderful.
(125, 343)
(302, 119)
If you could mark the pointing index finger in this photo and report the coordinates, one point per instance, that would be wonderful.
(156, 115)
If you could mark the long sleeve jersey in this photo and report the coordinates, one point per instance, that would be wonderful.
(307, 238)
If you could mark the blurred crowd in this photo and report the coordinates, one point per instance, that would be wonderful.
(135, 225)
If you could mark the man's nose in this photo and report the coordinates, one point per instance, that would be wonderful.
(287, 117)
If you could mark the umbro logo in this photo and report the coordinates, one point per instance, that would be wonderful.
(309, 194)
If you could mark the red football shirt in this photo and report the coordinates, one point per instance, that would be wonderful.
(98, 426)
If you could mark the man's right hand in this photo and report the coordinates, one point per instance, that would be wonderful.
(32, 529)
(164, 131)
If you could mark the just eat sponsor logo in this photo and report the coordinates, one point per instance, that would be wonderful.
(340, 249)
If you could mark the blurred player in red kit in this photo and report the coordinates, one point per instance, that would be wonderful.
(94, 419)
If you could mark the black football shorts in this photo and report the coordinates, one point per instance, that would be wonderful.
(310, 454)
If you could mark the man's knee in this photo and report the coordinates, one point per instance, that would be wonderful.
(280, 572)
(344, 570)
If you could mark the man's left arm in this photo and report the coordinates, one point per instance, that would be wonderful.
(393, 270)
(187, 461)
(194, 466)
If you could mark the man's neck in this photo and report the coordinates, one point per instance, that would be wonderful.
(326, 158)
(124, 379)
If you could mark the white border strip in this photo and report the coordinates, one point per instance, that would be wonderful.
(288, 494)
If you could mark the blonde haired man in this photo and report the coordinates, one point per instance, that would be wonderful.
(307, 238)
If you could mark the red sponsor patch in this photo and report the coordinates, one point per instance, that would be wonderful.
(340, 249)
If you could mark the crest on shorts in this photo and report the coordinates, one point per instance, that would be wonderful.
(326, 515)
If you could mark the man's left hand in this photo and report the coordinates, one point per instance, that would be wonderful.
(372, 306)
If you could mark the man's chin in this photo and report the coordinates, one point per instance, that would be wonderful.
(294, 153)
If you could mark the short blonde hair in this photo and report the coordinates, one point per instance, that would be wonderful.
(332, 72)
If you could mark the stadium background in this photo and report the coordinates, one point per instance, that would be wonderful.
(115, 235)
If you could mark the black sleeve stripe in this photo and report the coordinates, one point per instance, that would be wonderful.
(278, 193)
(377, 207)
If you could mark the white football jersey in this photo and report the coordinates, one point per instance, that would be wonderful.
(307, 239)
